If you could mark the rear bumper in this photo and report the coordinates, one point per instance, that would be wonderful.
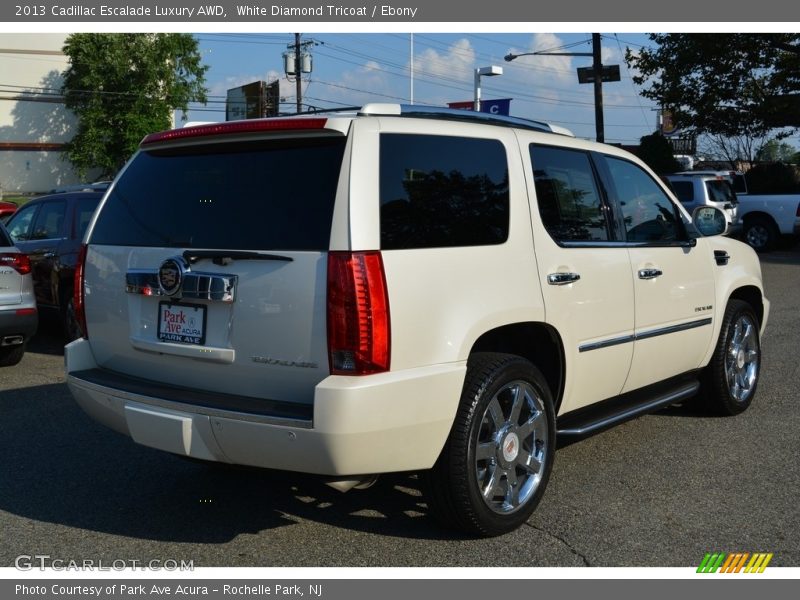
(382, 423)
(13, 324)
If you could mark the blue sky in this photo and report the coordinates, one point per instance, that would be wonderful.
(356, 68)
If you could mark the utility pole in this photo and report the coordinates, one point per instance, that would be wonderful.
(594, 75)
(597, 66)
(298, 71)
(296, 61)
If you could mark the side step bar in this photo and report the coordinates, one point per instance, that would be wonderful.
(588, 421)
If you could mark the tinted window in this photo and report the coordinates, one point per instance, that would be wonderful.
(50, 221)
(648, 213)
(719, 190)
(684, 190)
(438, 191)
(20, 224)
(5, 241)
(567, 194)
(275, 195)
(83, 214)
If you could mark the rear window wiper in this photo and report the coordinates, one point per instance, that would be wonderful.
(226, 257)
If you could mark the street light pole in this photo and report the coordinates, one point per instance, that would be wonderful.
(483, 71)
(597, 68)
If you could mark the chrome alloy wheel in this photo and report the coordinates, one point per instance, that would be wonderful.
(742, 359)
(510, 452)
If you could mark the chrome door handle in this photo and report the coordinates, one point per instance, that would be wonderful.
(562, 278)
(650, 273)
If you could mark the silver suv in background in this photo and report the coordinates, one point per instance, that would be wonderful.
(18, 315)
(695, 190)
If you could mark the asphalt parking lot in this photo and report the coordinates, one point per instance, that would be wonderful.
(658, 491)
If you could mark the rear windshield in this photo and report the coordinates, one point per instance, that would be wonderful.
(266, 195)
(720, 190)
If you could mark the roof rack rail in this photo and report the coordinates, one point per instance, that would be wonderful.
(438, 112)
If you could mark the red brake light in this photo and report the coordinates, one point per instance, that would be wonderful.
(19, 262)
(78, 291)
(245, 126)
(358, 314)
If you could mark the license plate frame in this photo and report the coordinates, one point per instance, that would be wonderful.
(181, 322)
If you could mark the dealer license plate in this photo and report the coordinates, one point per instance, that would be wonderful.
(182, 323)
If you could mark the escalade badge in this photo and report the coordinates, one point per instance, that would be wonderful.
(170, 276)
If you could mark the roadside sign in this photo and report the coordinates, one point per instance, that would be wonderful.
(609, 73)
(498, 106)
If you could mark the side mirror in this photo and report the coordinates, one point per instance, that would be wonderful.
(709, 220)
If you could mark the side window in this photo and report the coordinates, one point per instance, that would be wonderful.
(83, 214)
(49, 221)
(569, 199)
(684, 190)
(440, 191)
(648, 213)
(20, 224)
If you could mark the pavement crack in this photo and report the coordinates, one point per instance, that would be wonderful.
(569, 546)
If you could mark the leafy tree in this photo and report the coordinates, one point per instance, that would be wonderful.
(735, 149)
(656, 151)
(719, 83)
(124, 86)
(776, 151)
(773, 178)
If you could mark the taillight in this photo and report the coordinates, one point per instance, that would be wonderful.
(78, 291)
(358, 314)
(19, 262)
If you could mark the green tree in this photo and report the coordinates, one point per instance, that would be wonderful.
(656, 151)
(719, 84)
(124, 86)
(776, 151)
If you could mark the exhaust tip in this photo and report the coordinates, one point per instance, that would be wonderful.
(12, 340)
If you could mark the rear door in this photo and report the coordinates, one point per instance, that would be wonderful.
(584, 271)
(206, 265)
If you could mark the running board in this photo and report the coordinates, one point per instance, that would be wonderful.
(599, 417)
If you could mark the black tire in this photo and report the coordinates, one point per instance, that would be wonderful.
(493, 470)
(11, 355)
(761, 233)
(731, 378)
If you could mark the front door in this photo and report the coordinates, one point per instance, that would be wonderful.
(672, 278)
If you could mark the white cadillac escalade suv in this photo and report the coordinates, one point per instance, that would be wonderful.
(403, 289)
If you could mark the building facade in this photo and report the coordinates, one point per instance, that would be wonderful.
(34, 123)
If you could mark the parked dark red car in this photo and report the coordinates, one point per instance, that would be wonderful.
(6, 210)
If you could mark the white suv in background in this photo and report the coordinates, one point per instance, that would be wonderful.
(403, 289)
